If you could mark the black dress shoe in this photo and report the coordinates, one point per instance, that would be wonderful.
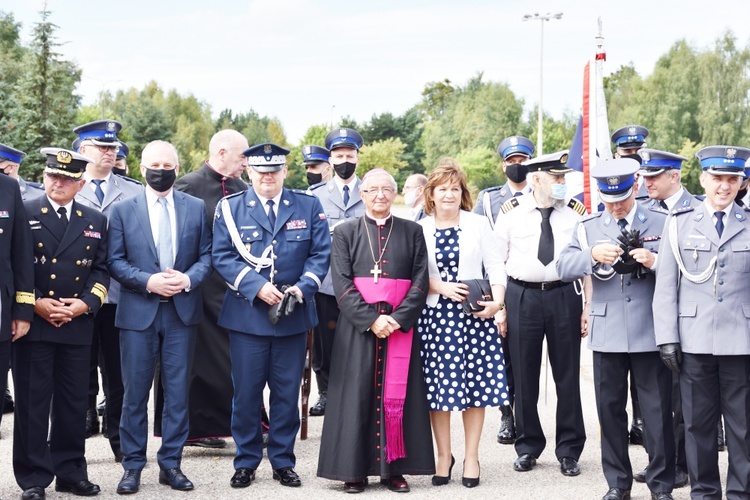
(680, 478)
(118, 457)
(661, 496)
(287, 477)
(8, 404)
(569, 466)
(507, 432)
(355, 486)
(470, 482)
(176, 479)
(320, 407)
(640, 477)
(207, 443)
(33, 493)
(443, 480)
(130, 482)
(83, 488)
(617, 494)
(524, 463)
(92, 422)
(396, 483)
(243, 477)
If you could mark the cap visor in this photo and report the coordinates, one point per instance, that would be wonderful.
(615, 197)
(651, 173)
(711, 170)
(267, 169)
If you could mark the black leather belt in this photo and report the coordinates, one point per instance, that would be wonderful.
(542, 285)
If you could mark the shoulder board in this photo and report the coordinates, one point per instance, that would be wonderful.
(509, 205)
(681, 210)
(591, 216)
(492, 189)
(577, 206)
(33, 184)
(233, 195)
(129, 179)
(300, 191)
(316, 186)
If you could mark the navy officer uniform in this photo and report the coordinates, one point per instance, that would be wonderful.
(50, 364)
(702, 302)
(275, 240)
(491, 199)
(337, 211)
(621, 330)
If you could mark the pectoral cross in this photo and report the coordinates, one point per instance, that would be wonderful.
(376, 271)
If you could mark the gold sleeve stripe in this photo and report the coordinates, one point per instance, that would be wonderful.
(100, 291)
(25, 298)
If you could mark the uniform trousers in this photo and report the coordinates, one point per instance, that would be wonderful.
(653, 381)
(169, 339)
(51, 386)
(325, 331)
(4, 366)
(258, 360)
(712, 386)
(534, 314)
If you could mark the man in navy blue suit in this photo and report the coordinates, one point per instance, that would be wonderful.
(272, 247)
(160, 252)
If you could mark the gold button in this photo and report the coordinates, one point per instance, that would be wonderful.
(77, 278)
(54, 261)
(78, 263)
(51, 293)
(75, 295)
(88, 247)
(40, 244)
(52, 276)
(1, 231)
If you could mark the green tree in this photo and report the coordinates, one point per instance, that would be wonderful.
(382, 154)
(435, 99)
(483, 168)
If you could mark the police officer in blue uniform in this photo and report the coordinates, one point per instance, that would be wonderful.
(514, 151)
(272, 247)
(50, 364)
(701, 317)
(621, 326)
(98, 141)
(121, 162)
(317, 169)
(340, 199)
(10, 160)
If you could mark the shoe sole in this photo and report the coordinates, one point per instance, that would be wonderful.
(65, 489)
(126, 492)
(506, 441)
(167, 483)
(571, 473)
(241, 485)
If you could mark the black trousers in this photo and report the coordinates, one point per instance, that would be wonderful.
(4, 364)
(325, 331)
(653, 381)
(532, 316)
(712, 386)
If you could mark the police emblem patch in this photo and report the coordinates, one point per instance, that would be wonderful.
(514, 141)
(641, 216)
(698, 216)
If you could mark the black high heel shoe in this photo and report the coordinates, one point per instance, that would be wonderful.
(471, 482)
(443, 480)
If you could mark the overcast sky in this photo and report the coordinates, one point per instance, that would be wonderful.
(309, 62)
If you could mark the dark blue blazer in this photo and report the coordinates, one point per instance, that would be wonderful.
(133, 258)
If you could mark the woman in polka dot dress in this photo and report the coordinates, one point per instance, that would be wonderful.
(462, 357)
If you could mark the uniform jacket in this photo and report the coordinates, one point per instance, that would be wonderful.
(711, 317)
(301, 253)
(480, 251)
(621, 319)
(69, 264)
(333, 205)
(30, 190)
(121, 189)
(133, 258)
(16, 261)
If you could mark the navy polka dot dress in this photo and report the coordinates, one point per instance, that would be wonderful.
(462, 357)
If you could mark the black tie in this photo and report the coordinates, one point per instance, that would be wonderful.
(271, 214)
(346, 195)
(720, 223)
(622, 223)
(63, 216)
(98, 191)
(517, 193)
(546, 241)
(663, 204)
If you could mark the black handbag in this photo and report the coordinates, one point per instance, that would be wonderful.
(478, 290)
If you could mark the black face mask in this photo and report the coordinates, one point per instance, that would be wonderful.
(634, 156)
(160, 179)
(345, 170)
(313, 178)
(119, 171)
(516, 172)
(740, 194)
(2, 171)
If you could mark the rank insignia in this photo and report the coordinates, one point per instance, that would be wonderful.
(79, 213)
(44, 210)
(641, 217)
(255, 234)
(4, 214)
(252, 203)
(738, 216)
(296, 224)
(43, 259)
(286, 202)
(698, 216)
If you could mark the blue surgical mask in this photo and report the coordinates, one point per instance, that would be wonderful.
(559, 191)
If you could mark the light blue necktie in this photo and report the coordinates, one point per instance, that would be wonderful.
(98, 191)
(165, 237)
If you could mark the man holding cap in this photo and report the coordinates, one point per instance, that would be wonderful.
(618, 247)
(51, 363)
(514, 151)
(340, 200)
(701, 325)
(533, 230)
(271, 245)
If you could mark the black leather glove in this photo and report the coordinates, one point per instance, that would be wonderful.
(629, 240)
(277, 310)
(671, 355)
(291, 299)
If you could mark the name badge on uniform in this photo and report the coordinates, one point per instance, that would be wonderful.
(296, 224)
(92, 234)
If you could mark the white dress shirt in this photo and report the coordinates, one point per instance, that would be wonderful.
(154, 216)
(55, 206)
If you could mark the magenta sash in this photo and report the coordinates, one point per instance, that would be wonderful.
(392, 291)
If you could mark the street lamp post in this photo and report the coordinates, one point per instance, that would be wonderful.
(541, 17)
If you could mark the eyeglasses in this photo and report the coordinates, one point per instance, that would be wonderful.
(104, 149)
(373, 191)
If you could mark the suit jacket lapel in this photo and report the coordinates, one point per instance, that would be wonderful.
(335, 195)
(258, 211)
(732, 224)
(354, 193)
(113, 192)
(49, 219)
(706, 227)
(76, 225)
(180, 212)
(141, 214)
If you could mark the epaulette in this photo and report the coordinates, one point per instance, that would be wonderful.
(591, 216)
(577, 206)
(681, 210)
(234, 194)
(317, 185)
(33, 184)
(300, 191)
(509, 205)
(129, 179)
(654, 206)
(491, 189)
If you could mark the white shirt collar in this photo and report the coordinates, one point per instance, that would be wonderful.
(152, 198)
(672, 200)
(55, 206)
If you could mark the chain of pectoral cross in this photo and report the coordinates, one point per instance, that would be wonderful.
(376, 270)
